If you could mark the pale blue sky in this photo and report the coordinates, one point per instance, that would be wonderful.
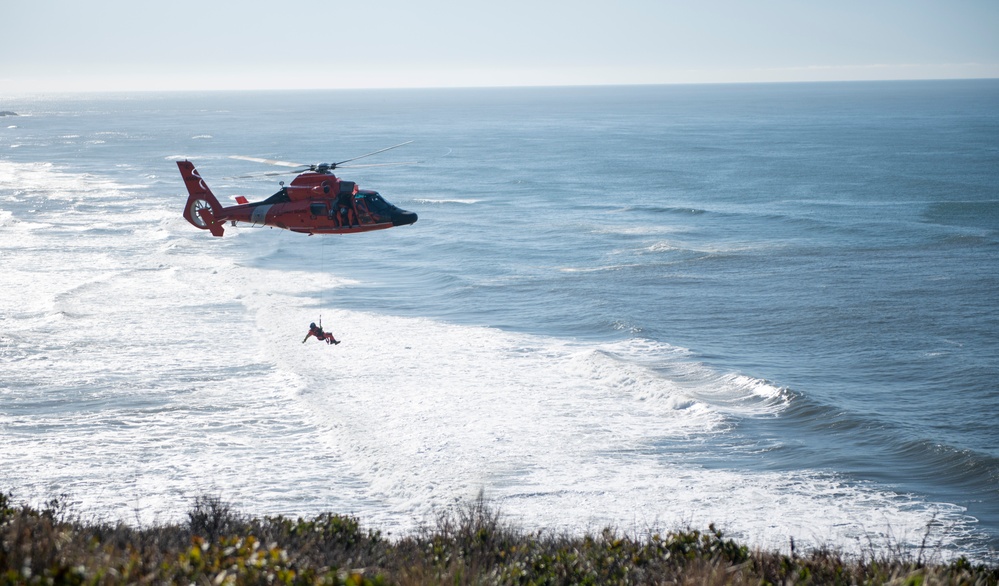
(63, 45)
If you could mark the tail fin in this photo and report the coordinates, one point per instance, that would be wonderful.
(202, 209)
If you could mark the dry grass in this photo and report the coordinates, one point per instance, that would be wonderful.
(218, 545)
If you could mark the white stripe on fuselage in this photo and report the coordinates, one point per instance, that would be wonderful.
(259, 215)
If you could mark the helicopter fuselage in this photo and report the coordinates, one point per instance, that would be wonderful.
(317, 203)
(314, 203)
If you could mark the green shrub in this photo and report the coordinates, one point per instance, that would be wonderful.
(468, 545)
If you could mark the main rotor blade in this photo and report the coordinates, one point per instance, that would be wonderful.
(374, 153)
(269, 161)
(265, 174)
(339, 166)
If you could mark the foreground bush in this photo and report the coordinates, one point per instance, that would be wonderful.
(218, 546)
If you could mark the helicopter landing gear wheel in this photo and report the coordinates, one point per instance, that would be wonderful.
(196, 206)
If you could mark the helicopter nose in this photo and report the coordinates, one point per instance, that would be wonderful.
(403, 218)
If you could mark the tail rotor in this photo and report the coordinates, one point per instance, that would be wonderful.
(203, 210)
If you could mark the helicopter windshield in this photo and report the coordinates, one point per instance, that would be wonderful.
(376, 203)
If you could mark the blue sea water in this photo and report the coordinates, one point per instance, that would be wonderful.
(774, 307)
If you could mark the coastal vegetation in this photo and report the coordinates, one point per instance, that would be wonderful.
(471, 544)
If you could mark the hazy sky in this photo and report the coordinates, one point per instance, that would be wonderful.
(63, 45)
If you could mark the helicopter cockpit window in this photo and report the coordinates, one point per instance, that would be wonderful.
(376, 203)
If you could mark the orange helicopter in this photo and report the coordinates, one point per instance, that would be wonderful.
(316, 202)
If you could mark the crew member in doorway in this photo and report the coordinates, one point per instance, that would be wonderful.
(346, 211)
(318, 332)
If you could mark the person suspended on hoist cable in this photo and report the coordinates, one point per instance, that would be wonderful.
(318, 332)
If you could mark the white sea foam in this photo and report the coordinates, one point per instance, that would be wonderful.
(663, 246)
(147, 363)
(597, 269)
(441, 201)
(638, 229)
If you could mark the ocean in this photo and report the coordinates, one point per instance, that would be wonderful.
(771, 307)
